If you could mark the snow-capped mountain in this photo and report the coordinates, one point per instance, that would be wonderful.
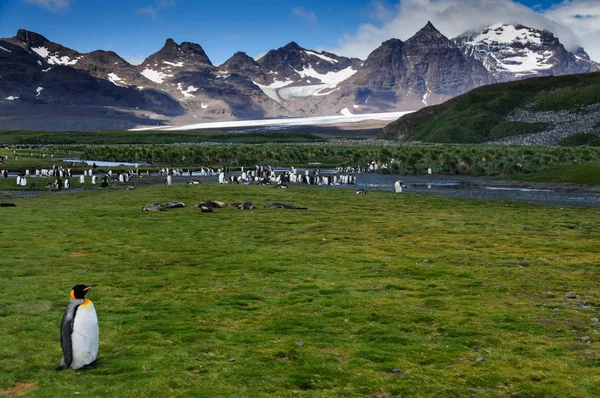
(511, 52)
(179, 83)
(35, 71)
(292, 72)
(424, 70)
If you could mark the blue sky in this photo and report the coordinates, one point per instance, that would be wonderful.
(137, 28)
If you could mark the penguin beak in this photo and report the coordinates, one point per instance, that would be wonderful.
(89, 287)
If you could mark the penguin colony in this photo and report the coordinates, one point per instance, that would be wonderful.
(79, 330)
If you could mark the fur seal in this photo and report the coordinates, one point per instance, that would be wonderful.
(7, 205)
(205, 209)
(361, 192)
(215, 204)
(154, 207)
(279, 205)
(282, 186)
(174, 205)
(244, 206)
(130, 188)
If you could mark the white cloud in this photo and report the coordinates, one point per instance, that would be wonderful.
(305, 15)
(583, 18)
(52, 5)
(153, 11)
(574, 22)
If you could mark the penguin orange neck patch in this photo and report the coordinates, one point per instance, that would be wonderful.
(86, 302)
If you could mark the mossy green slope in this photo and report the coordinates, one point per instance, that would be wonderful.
(480, 115)
(370, 283)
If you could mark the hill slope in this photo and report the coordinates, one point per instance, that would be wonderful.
(552, 107)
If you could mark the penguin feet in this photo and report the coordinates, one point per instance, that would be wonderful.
(62, 365)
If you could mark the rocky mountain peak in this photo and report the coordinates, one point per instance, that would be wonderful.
(173, 59)
(32, 39)
(429, 36)
(580, 52)
(515, 51)
(292, 46)
(244, 65)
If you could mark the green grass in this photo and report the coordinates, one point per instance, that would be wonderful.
(586, 174)
(24, 137)
(181, 292)
(581, 139)
(480, 115)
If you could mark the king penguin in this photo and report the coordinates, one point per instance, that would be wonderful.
(79, 330)
(399, 187)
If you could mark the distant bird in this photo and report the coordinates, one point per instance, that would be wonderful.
(398, 186)
(361, 192)
(79, 330)
(130, 188)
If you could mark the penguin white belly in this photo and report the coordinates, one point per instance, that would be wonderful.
(85, 335)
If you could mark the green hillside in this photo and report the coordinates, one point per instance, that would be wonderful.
(480, 115)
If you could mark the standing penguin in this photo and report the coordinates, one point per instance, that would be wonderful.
(79, 330)
(399, 187)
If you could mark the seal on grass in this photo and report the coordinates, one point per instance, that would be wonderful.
(279, 205)
(174, 205)
(244, 206)
(154, 207)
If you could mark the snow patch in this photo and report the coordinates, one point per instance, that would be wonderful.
(46, 70)
(526, 61)
(323, 57)
(355, 106)
(2, 48)
(346, 112)
(114, 79)
(12, 98)
(332, 78)
(177, 64)
(55, 59)
(288, 93)
(307, 121)
(39, 62)
(507, 34)
(203, 106)
(425, 96)
(155, 76)
(187, 93)
(271, 89)
(39, 90)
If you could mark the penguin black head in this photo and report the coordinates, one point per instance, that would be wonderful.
(78, 292)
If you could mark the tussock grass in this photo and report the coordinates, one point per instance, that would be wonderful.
(181, 293)
(585, 174)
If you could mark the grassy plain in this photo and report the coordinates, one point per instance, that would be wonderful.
(373, 295)
(585, 174)
(24, 137)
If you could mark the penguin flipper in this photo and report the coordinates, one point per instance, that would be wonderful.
(66, 342)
